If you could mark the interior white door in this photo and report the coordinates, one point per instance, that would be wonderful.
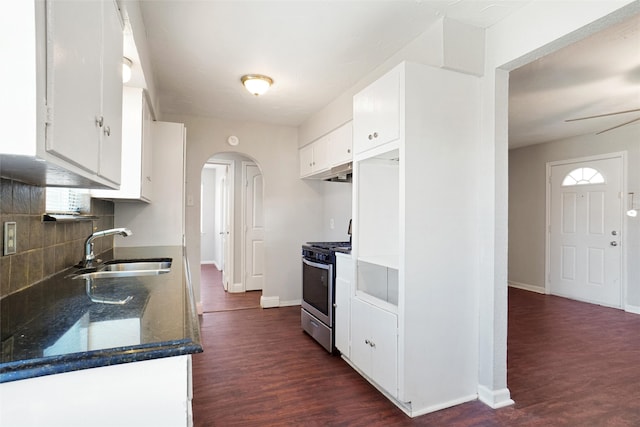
(224, 232)
(585, 231)
(254, 229)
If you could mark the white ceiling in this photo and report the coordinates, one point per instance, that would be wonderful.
(596, 75)
(315, 50)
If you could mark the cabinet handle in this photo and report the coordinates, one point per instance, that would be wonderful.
(99, 121)
(375, 134)
(348, 150)
(149, 178)
(370, 137)
(107, 131)
(372, 344)
(367, 342)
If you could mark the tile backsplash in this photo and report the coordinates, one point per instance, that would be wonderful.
(43, 248)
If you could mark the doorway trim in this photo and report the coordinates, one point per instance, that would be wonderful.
(622, 155)
(230, 182)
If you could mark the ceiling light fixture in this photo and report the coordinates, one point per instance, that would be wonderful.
(256, 84)
(126, 69)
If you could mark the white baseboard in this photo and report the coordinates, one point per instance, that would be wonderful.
(495, 399)
(416, 412)
(269, 302)
(289, 303)
(632, 309)
(235, 288)
(199, 308)
(527, 287)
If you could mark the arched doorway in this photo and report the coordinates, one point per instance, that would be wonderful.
(231, 220)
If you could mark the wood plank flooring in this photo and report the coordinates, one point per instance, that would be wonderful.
(214, 297)
(569, 364)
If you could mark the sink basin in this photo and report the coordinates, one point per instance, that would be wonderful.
(126, 268)
(137, 264)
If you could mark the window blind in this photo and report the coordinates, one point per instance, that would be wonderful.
(67, 200)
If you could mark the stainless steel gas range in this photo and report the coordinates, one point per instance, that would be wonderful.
(318, 289)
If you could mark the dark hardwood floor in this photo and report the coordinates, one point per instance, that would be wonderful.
(569, 364)
(214, 298)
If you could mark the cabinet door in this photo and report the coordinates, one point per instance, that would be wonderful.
(111, 135)
(74, 70)
(374, 344)
(146, 187)
(321, 154)
(340, 144)
(384, 348)
(360, 348)
(306, 160)
(344, 279)
(376, 113)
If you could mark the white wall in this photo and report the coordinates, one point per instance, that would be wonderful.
(527, 202)
(293, 207)
(336, 197)
(537, 29)
(159, 223)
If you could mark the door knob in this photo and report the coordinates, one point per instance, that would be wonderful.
(614, 243)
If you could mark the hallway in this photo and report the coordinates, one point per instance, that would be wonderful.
(569, 364)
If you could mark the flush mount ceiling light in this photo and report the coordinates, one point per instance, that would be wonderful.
(126, 69)
(256, 84)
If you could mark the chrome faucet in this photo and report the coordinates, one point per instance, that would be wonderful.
(89, 256)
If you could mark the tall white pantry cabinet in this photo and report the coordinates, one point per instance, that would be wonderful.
(414, 330)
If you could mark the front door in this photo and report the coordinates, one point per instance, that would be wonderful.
(254, 229)
(585, 230)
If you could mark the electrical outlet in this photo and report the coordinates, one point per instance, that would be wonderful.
(10, 238)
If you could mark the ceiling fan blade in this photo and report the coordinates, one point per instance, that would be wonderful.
(618, 126)
(603, 115)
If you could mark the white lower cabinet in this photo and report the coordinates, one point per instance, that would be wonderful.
(344, 283)
(156, 392)
(374, 344)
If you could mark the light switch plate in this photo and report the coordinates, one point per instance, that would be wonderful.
(10, 236)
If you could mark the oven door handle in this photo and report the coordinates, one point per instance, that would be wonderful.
(323, 266)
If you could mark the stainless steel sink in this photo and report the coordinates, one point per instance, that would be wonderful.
(126, 268)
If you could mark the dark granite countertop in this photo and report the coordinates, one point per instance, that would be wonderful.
(55, 326)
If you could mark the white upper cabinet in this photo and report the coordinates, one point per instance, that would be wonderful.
(111, 135)
(331, 150)
(84, 85)
(340, 145)
(376, 113)
(61, 100)
(136, 182)
(313, 157)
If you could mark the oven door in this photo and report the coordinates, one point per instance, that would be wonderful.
(317, 290)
